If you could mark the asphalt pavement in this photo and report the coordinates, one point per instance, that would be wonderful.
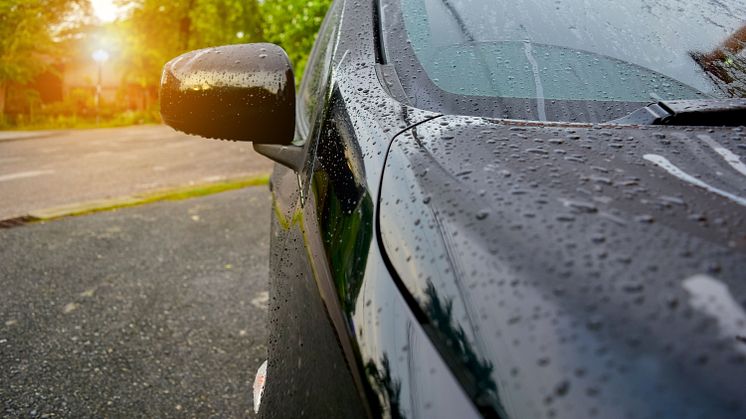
(150, 311)
(44, 169)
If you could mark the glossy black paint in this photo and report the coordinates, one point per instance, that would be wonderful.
(325, 254)
(235, 92)
(567, 273)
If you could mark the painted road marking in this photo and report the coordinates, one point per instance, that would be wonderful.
(21, 175)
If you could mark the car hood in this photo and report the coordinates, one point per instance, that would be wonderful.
(573, 271)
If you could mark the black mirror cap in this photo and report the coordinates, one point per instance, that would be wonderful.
(240, 92)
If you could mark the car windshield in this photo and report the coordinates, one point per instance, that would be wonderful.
(565, 60)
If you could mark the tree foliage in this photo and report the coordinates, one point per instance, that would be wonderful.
(157, 31)
(293, 24)
(29, 33)
(36, 34)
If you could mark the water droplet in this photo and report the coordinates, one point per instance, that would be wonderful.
(562, 388)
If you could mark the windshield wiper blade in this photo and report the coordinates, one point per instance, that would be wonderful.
(717, 112)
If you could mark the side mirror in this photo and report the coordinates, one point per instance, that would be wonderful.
(234, 92)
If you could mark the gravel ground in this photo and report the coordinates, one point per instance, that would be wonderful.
(152, 311)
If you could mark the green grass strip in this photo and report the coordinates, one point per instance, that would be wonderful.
(175, 194)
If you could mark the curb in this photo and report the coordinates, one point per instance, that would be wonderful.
(9, 136)
(172, 194)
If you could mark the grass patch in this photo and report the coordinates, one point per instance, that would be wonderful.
(175, 194)
(209, 189)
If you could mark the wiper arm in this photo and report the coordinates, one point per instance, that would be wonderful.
(716, 112)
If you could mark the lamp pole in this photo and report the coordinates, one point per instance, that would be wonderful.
(99, 56)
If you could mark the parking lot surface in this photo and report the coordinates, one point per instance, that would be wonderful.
(150, 311)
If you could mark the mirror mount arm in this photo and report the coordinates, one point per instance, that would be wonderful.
(290, 156)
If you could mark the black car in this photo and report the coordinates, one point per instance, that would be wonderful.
(515, 209)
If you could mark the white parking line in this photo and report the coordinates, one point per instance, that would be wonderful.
(21, 175)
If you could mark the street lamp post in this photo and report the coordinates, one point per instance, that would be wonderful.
(99, 56)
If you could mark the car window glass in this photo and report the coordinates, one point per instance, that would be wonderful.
(575, 49)
(316, 74)
(564, 60)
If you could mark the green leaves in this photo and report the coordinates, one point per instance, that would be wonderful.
(293, 25)
(28, 34)
(157, 31)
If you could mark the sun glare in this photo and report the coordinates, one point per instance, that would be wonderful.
(105, 10)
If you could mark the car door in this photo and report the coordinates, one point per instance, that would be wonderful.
(308, 373)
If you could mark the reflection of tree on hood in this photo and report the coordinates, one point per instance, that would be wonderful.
(440, 314)
(725, 65)
(387, 388)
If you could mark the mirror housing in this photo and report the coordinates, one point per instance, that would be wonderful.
(235, 92)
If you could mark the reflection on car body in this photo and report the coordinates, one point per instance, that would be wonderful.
(518, 212)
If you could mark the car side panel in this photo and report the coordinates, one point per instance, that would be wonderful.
(333, 352)
(307, 375)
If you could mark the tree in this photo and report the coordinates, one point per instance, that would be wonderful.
(30, 31)
(157, 31)
(293, 24)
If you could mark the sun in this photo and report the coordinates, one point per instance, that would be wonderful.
(105, 10)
